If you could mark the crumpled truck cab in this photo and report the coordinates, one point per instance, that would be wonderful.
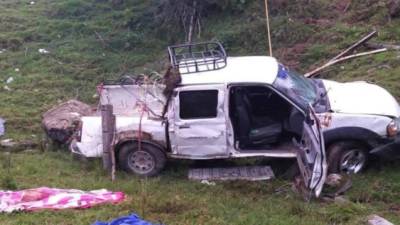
(236, 107)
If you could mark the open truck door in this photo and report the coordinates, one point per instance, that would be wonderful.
(311, 156)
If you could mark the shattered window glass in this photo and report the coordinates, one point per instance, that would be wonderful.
(198, 104)
(295, 86)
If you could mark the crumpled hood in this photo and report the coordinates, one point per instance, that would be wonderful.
(362, 98)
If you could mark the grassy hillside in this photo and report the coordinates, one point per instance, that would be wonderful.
(89, 41)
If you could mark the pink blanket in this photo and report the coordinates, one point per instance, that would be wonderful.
(51, 198)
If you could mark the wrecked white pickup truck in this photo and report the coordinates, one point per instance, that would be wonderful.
(235, 107)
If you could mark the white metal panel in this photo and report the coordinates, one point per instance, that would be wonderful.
(125, 98)
(361, 98)
(91, 144)
(248, 69)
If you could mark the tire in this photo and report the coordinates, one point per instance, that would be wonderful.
(146, 162)
(347, 157)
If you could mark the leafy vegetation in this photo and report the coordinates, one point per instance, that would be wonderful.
(94, 40)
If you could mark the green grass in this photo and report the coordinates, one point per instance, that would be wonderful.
(90, 41)
(173, 199)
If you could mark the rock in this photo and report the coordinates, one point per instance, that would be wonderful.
(11, 145)
(377, 220)
(43, 51)
(208, 182)
(7, 88)
(333, 179)
(337, 200)
(341, 200)
(7, 143)
(10, 80)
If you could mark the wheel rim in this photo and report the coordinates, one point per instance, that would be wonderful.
(353, 161)
(141, 162)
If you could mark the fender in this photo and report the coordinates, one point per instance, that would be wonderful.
(360, 134)
(124, 137)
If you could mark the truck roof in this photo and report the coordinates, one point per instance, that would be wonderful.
(244, 69)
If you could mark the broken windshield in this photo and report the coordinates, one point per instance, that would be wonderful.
(295, 86)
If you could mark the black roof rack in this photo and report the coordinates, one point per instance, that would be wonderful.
(199, 57)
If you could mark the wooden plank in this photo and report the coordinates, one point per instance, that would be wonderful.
(330, 63)
(108, 127)
(355, 45)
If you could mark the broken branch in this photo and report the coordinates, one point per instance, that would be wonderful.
(355, 45)
(379, 46)
(330, 63)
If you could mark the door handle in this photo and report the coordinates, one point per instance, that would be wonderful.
(184, 127)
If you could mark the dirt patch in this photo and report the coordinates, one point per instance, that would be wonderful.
(291, 56)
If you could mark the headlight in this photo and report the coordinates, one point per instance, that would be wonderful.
(393, 128)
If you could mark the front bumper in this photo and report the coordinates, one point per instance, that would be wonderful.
(388, 151)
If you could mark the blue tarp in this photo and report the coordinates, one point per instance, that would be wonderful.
(132, 219)
(2, 129)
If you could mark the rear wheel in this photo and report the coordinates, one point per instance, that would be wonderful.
(347, 157)
(146, 162)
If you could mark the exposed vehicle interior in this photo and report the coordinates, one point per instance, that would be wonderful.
(261, 118)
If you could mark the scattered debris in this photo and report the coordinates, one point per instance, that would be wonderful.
(7, 88)
(11, 145)
(377, 220)
(52, 198)
(337, 185)
(300, 188)
(61, 121)
(7, 143)
(333, 179)
(43, 51)
(132, 219)
(209, 183)
(10, 80)
(251, 173)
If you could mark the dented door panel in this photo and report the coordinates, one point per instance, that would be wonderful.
(199, 138)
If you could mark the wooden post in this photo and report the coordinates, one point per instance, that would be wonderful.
(268, 28)
(108, 128)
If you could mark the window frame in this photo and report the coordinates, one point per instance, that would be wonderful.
(215, 115)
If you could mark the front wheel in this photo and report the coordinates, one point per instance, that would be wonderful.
(146, 162)
(347, 157)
